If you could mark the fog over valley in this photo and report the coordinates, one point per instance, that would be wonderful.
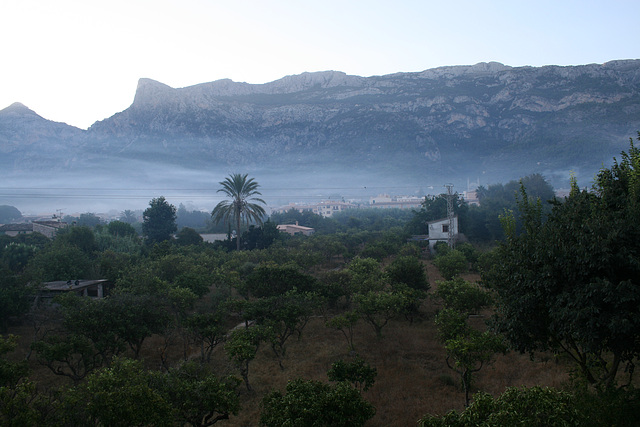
(317, 136)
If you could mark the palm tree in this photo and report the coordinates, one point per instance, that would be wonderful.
(241, 207)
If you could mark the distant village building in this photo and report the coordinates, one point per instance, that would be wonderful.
(471, 197)
(15, 229)
(325, 208)
(384, 201)
(292, 206)
(330, 207)
(294, 229)
(48, 228)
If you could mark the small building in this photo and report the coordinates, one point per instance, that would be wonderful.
(329, 207)
(15, 229)
(48, 228)
(471, 197)
(439, 231)
(86, 288)
(294, 229)
(384, 201)
(292, 206)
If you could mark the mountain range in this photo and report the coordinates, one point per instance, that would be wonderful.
(485, 123)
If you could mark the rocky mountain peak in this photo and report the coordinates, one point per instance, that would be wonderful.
(482, 68)
(322, 79)
(18, 109)
(151, 92)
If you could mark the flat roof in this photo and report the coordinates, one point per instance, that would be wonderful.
(71, 285)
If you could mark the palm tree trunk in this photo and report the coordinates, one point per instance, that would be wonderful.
(238, 230)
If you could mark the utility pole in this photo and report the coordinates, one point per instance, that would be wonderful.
(450, 215)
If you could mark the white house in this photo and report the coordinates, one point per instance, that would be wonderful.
(384, 201)
(295, 229)
(86, 288)
(439, 231)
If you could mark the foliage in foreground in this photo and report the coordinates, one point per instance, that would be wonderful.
(125, 394)
(535, 406)
(314, 403)
(545, 407)
(571, 284)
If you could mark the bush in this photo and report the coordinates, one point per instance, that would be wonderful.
(408, 270)
(470, 253)
(462, 295)
(452, 264)
(313, 403)
(358, 372)
(535, 406)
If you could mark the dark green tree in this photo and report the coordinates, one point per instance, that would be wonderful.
(208, 331)
(133, 318)
(571, 284)
(260, 237)
(89, 219)
(378, 308)
(536, 407)
(409, 271)
(366, 275)
(468, 349)
(72, 356)
(242, 346)
(122, 394)
(59, 262)
(159, 221)
(357, 372)
(462, 295)
(128, 216)
(10, 372)
(194, 219)
(17, 255)
(283, 316)
(451, 264)
(198, 397)
(243, 207)
(314, 403)
(270, 279)
(188, 236)
(15, 297)
(82, 237)
(121, 229)
(344, 323)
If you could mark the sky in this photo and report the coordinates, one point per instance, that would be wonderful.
(79, 61)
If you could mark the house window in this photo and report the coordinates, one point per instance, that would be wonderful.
(445, 228)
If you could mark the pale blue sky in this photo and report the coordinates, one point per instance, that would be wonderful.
(78, 61)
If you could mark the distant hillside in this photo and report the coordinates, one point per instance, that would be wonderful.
(449, 124)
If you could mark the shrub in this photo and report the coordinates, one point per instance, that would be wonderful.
(451, 264)
(408, 270)
(313, 403)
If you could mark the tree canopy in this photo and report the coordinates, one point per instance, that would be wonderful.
(159, 220)
(243, 207)
(571, 283)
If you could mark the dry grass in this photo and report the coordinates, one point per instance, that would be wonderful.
(413, 378)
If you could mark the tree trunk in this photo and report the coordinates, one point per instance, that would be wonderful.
(237, 230)
(466, 383)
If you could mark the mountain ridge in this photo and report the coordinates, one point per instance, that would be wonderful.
(486, 120)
